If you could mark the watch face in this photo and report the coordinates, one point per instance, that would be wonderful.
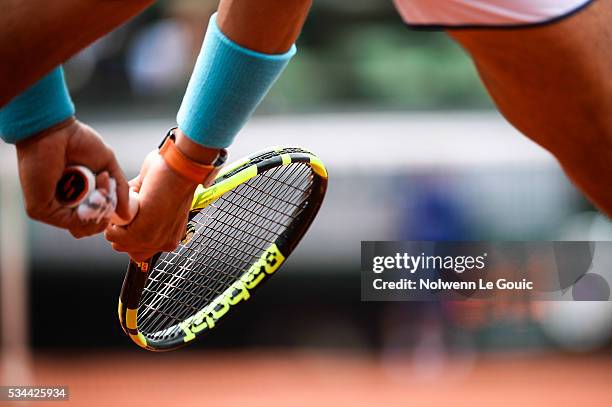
(221, 158)
(169, 134)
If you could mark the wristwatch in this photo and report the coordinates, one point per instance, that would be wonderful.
(184, 166)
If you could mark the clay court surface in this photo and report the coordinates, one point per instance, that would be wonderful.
(283, 378)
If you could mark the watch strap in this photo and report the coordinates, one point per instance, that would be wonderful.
(187, 168)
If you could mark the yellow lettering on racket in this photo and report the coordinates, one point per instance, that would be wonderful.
(239, 291)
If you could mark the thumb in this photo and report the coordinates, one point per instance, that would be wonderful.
(103, 181)
(136, 183)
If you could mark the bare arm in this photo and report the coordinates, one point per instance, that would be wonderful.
(37, 35)
(268, 26)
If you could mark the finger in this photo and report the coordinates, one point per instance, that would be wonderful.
(103, 181)
(135, 183)
(38, 182)
(92, 152)
(123, 189)
(116, 234)
(119, 248)
(62, 217)
(120, 235)
(136, 255)
(141, 256)
(88, 229)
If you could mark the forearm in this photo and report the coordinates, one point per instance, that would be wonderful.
(245, 49)
(43, 105)
(267, 26)
(36, 35)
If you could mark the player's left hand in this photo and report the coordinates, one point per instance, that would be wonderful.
(43, 158)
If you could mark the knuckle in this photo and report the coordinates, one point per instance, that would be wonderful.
(77, 234)
(98, 229)
(34, 211)
(84, 231)
(110, 151)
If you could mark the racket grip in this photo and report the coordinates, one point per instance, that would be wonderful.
(78, 182)
(75, 185)
(133, 211)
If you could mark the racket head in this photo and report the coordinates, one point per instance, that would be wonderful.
(240, 231)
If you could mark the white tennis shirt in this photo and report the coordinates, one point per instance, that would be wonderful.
(484, 12)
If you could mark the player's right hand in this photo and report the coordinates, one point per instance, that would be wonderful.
(42, 160)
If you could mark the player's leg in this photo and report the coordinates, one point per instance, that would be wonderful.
(554, 83)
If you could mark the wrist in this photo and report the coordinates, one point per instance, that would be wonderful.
(43, 105)
(180, 186)
(227, 84)
(46, 132)
(195, 151)
(194, 163)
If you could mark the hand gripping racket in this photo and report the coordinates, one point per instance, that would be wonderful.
(240, 231)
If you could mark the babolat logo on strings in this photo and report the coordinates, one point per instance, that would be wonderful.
(267, 264)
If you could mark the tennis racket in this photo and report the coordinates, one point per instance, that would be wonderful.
(241, 229)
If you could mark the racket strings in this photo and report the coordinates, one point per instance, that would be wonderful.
(170, 261)
(267, 203)
(248, 260)
(231, 234)
(223, 263)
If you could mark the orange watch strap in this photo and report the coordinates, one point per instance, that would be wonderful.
(185, 167)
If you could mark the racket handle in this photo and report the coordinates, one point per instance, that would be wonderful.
(78, 182)
(75, 185)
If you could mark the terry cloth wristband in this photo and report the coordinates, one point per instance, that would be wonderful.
(227, 84)
(41, 106)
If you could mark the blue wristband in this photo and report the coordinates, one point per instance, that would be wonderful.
(227, 84)
(41, 106)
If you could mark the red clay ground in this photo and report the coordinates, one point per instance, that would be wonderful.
(321, 379)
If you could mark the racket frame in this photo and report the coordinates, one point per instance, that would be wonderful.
(241, 290)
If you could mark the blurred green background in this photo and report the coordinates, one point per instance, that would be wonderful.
(352, 56)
